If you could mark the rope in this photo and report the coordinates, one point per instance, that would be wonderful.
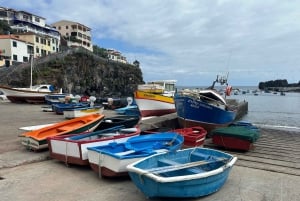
(172, 141)
(223, 141)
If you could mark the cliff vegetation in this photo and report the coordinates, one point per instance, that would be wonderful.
(77, 71)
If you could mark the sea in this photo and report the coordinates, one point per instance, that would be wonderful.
(269, 110)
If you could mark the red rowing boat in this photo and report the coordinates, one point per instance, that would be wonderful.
(193, 136)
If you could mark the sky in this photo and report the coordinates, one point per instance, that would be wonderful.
(191, 41)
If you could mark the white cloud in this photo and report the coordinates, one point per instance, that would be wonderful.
(190, 40)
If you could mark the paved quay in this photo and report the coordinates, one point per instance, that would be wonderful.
(26, 175)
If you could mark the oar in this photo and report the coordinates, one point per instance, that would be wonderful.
(100, 132)
(164, 169)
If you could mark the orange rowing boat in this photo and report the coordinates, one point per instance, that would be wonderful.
(37, 139)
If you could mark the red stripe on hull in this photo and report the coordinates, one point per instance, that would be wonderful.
(16, 99)
(208, 127)
(105, 172)
(148, 113)
(68, 159)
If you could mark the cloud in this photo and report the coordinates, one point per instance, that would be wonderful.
(188, 40)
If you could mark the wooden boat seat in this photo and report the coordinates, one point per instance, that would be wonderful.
(198, 156)
(65, 128)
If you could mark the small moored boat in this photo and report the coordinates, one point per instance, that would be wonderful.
(37, 139)
(235, 137)
(127, 121)
(187, 173)
(111, 160)
(79, 112)
(72, 149)
(193, 136)
(59, 108)
(156, 98)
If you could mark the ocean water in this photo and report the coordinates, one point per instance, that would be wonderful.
(268, 109)
(272, 110)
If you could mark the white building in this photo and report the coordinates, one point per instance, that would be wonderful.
(24, 22)
(76, 34)
(116, 56)
(14, 49)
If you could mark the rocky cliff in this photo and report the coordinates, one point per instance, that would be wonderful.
(76, 71)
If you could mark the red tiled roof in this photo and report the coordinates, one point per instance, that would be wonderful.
(12, 37)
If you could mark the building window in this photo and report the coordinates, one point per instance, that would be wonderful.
(59, 28)
(14, 44)
(48, 42)
(44, 52)
(25, 17)
(37, 50)
(15, 57)
(29, 49)
(53, 48)
(67, 27)
(37, 39)
(43, 41)
(25, 59)
(37, 19)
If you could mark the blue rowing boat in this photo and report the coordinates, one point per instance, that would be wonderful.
(187, 173)
(111, 160)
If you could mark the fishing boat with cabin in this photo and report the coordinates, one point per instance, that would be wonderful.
(156, 98)
(204, 107)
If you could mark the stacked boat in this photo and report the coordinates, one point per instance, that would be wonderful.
(237, 136)
(111, 160)
(193, 136)
(37, 139)
(72, 149)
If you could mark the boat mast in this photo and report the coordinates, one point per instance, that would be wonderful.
(31, 63)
